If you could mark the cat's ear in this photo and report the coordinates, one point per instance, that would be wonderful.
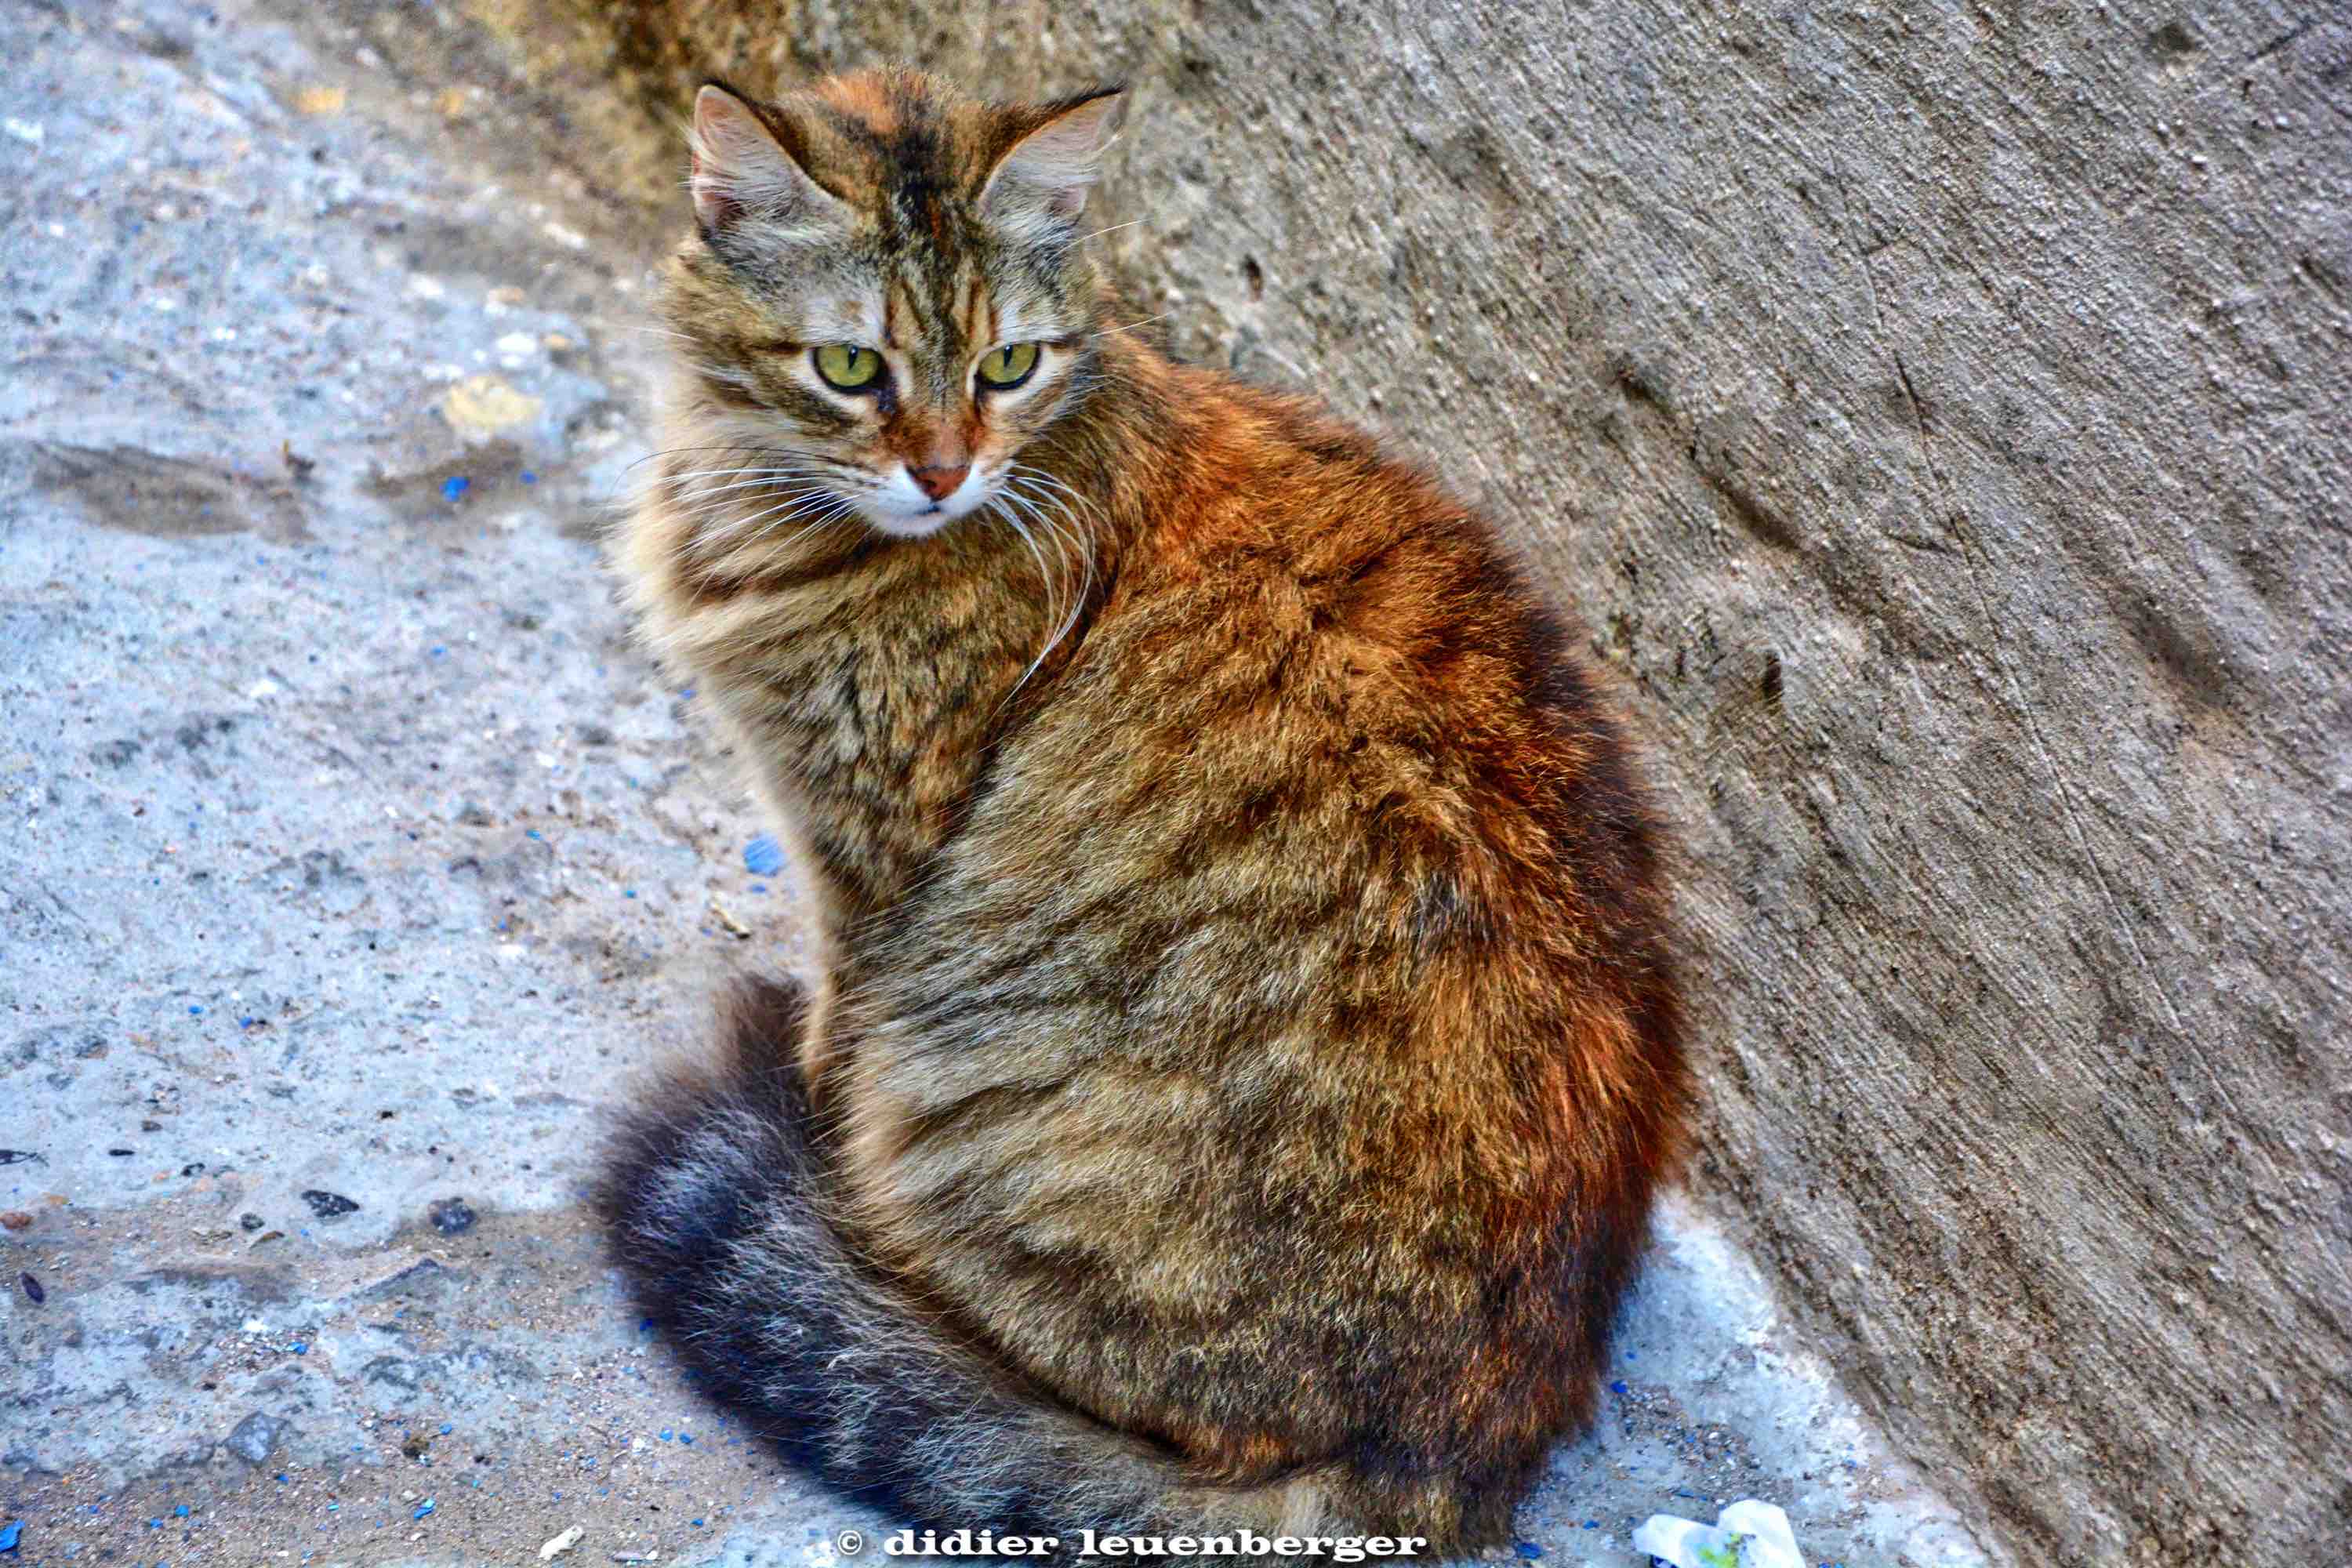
(741, 168)
(1047, 171)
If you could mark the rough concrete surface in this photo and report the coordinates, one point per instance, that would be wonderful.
(1942, 414)
(353, 864)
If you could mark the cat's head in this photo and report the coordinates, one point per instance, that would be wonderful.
(887, 297)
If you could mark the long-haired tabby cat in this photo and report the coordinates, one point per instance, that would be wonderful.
(1247, 1039)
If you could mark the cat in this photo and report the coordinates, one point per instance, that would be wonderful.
(1246, 1041)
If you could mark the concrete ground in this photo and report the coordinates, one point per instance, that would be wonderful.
(353, 863)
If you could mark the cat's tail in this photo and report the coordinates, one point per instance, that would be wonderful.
(716, 1200)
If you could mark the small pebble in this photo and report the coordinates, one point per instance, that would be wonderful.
(15, 1219)
(33, 1289)
(250, 1222)
(557, 1545)
(452, 1217)
(329, 1206)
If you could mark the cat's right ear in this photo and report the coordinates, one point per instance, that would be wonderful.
(742, 170)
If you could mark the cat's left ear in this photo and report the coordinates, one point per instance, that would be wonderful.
(1047, 171)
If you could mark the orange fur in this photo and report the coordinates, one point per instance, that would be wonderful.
(1247, 1014)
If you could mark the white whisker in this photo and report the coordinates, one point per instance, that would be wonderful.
(1050, 512)
(791, 510)
(1130, 326)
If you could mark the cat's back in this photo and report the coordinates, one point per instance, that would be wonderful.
(1321, 763)
(1312, 915)
(1306, 615)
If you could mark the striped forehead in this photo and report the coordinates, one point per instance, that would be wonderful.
(936, 319)
(947, 310)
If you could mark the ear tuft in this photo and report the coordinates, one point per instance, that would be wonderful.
(740, 169)
(1048, 172)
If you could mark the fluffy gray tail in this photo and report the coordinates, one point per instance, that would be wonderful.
(716, 1200)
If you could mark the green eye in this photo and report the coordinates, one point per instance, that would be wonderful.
(847, 366)
(1007, 367)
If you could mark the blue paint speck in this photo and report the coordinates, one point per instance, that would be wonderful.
(422, 1508)
(763, 857)
(529, 477)
(1617, 1388)
(9, 1532)
(686, 1438)
(455, 485)
(195, 1012)
(181, 1512)
(1529, 1549)
(446, 1429)
(300, 1347)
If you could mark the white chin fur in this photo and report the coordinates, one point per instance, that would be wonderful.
(902, 511)
(898, 525)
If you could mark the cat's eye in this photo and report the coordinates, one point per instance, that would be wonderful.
(847, 366)
(1002, 369)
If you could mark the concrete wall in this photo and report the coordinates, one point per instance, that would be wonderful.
(1938, 412)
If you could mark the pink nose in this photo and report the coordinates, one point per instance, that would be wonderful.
(936, 482)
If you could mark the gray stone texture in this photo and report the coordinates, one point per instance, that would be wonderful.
(1941, 414)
